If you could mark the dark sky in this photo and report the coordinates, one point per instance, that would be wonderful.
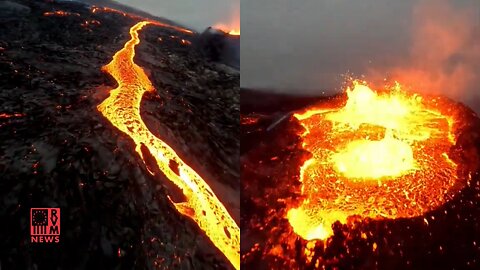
(197, 14)
(308, 44)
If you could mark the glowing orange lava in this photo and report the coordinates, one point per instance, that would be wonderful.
(382, 155)
(96, 9)
(229, 30)
(234, 32)
(122, 109)
(60, 13)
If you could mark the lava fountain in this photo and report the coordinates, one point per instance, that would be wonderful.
(122, 109)
(233, 31)
(382, 155)
(232, 27)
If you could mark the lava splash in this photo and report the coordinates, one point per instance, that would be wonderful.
(231, 30)
(122, 109)
(382, 155)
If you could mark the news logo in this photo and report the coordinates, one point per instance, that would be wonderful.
(45, 225)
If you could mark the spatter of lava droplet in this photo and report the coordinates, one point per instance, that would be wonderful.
(122, 109)
(382, 155)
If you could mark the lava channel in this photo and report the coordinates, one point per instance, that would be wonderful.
(122, 109)
(382, 155)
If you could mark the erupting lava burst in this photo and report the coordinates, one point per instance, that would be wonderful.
(234, 32)
(122, 109)
(382, 155)
(229, 30)
(232, 27)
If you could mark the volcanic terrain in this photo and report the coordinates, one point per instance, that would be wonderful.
(58, 150)
(279, 196)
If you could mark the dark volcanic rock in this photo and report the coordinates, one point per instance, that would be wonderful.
(8, 8)
(220, 47)
(56, 150)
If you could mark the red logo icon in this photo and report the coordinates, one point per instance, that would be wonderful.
(45, 225)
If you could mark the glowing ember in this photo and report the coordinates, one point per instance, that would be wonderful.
(382, 155)
(122, 109)
(185, 42)
(90, 22)
(60, 13)
(249, 120)
(6, 115)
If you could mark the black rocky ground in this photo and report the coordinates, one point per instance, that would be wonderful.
(56, 150)
(446, 238)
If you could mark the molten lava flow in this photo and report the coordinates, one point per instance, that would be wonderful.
(234, 31)
(95, 9)
(122, 109)
(60, 13)
(382, 155)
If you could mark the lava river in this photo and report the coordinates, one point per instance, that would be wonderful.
(122, 109)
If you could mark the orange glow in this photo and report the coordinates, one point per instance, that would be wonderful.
(185, 42)
(122, 109)
(95, 9)
(234, 32)
(382, 155)
(60, 13)
(249, 120)
(233, 26)
(228, 29)
(6, 115)
(89, 23)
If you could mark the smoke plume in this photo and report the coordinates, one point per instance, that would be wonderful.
(444, 56)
